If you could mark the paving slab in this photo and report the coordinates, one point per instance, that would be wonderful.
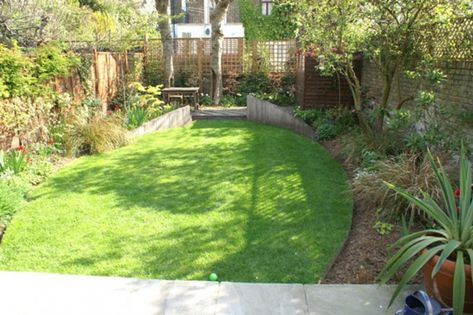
(28, 293)
(261, 299)
(341, 299)
(51, 294)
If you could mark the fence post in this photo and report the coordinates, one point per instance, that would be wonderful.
(241, 54)
(96, 72)
(254, 56)
(145, 49)
(200, 53)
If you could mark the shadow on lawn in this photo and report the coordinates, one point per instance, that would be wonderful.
(285, 225)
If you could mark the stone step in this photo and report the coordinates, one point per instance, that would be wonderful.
(219, 117)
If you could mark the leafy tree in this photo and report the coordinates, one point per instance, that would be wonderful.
(103, 23)
(334, 31)
(391, 33)
(164, 10)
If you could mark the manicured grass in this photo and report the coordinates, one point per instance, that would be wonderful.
(247, 201)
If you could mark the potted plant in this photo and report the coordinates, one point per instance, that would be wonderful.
(445, 252)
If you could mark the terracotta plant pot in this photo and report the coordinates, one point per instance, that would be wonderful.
(441, 286)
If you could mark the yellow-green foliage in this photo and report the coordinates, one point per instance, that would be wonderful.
(15, 73)
(51, 62)
(23, 74)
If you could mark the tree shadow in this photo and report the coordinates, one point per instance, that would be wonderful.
(248, 201)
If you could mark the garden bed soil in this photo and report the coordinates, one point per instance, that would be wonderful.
(365, 251)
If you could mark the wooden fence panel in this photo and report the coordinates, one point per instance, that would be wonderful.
(107, 72)
(192, 57)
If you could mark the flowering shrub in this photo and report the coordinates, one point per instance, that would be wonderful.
(26, 117)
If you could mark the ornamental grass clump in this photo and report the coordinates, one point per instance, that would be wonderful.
(450, 239)
(96, 135)
(411, 171)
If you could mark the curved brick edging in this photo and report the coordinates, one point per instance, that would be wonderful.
(176, 118)
(268, 113)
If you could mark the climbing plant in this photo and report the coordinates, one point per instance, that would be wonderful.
(278, 25)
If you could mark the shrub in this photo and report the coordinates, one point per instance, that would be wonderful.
(370, 159)
(356, 143)
(278, 98)
(148, 97)
(12, 196)
(15, 73)
(309, 116)
(206, 100)
(328, 124)
(38, 170)
(152, 73)
(412, 171)
(228, 101)
(25, 75)
(92, 102)
(125, 97)
(426, 126)
(186, 79)
(255, 82)
(51, 62)
(231, 83)
(33, 118)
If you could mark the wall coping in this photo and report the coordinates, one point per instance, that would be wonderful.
(269, 113)
(173, 119)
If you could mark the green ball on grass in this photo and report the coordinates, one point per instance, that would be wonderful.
(213, 276)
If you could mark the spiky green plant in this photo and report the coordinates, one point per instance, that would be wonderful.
(453, 236)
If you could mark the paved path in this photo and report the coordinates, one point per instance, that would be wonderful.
(40, 293)
(220, 113)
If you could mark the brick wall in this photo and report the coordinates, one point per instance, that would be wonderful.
(457, 90)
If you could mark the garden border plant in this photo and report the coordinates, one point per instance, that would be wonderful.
(451, 239)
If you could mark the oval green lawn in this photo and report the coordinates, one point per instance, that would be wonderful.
(248, 201)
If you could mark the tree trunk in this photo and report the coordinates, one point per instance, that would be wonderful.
(356, 91)
(383, 106)
(164, 24)
(217, 19)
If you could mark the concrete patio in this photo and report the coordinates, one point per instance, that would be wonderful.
(41, 293)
